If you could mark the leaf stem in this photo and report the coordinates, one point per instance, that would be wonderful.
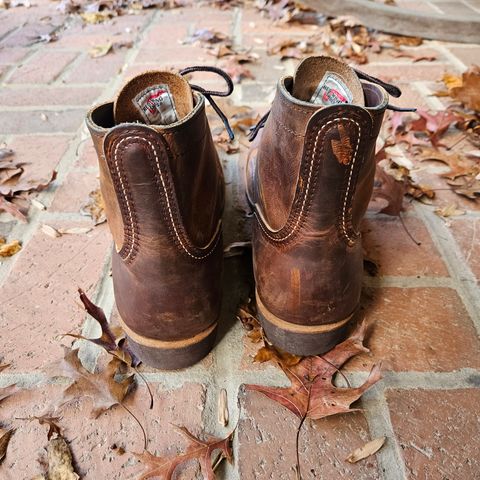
(297, 467)
(337, 369)
(145, 441)
(407, 232)
(146, 384)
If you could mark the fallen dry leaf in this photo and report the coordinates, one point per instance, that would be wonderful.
(433, 124)
(14, 187)
(59, 459)
(53, 427)
(5, 436)
(101, 387)
(100, 50)
(290, 48)
(459, 165)
(400, 40)
(93, 18)
(37, 204)
(113, 343)
(222, 408)
(391, 190)
(10, 248)
(74, 230)
(469, 92)
(450, 81)
(247, 314)
(237, 71)
(207, 35)
(50, 231)
(201, 450)
(95, 207)
(312, 393)
(465, 89)
(449, 211)
(271, 353)
(467, 187)
(366, 450)
(415, 58)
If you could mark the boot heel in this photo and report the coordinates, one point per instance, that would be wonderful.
(171, 355)
(302, 339)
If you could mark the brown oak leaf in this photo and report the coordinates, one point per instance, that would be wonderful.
(467, 187)
(111, 341)
(5, 436)
(53, 427)
(95, 207)
(433, 124)
(59, 461)
(101, 387)
(269, 352)
(201, 450)
(391, 190)
(468, 92)
(459, 165)
(247, 314)
(312, 393)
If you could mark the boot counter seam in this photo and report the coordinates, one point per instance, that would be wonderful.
(307, 190)
(170, 212)
(129, 209)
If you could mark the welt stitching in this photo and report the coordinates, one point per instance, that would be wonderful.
(305, 196)
(166, 190)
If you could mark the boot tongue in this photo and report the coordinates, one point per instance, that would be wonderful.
(326, 81)
(154, 98)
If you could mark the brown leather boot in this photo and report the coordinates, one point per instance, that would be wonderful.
(310, 176)
(163, 189)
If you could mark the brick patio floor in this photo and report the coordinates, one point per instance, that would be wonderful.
(425, 300)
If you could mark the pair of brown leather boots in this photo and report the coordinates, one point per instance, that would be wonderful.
(310, 176)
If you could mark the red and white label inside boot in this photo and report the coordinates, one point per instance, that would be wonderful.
(331, 90)
(156, 105)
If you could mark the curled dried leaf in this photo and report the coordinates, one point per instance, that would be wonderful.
(366, 450)
(10, 248)
(60, 459)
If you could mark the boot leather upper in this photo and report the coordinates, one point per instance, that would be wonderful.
(163, 190)
(309, 180)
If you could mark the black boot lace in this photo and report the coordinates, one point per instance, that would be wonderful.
(391, 89)
(209, 93)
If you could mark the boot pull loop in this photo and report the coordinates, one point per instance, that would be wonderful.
(209, 93)
(391, 89)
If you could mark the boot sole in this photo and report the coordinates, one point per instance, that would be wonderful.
(171, 355)
(302, 339)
